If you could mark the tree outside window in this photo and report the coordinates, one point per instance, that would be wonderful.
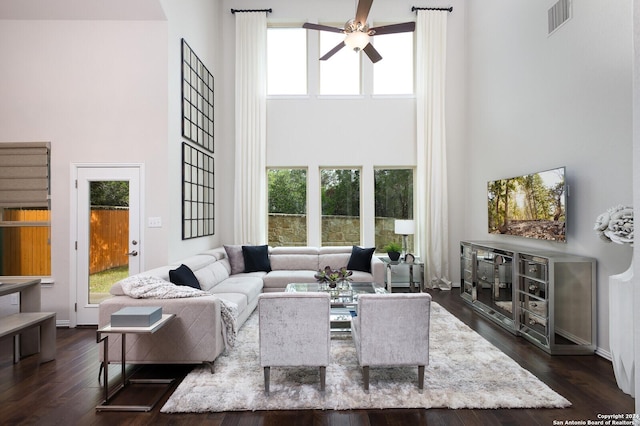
(287, 197)
(340, 192)
(393, 200)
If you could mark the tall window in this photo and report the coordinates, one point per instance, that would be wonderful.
(394, 74)
(286, 61)
(25, 237)
(339, 75)
(393, 200)
(340, 191)
(287, 207)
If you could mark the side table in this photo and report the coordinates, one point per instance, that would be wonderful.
(412, 285)
(102, 336)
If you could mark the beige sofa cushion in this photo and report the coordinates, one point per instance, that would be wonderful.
(294, 258)
(248, 286)
(280, 279)
(211, 275)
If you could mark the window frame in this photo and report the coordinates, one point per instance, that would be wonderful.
(322, 50)
(412, 209)
(359, 171)
(306, 206)
(413, 67)
(290, 26)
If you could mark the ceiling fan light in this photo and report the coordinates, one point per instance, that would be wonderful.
(356, 40)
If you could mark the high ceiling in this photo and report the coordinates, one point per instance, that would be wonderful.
(139, 10)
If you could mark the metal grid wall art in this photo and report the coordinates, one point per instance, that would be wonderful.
(197, 193)
(197, 99)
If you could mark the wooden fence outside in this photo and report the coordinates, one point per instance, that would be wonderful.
(27, 250)
(109, 242)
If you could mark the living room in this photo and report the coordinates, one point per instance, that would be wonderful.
(96, 80)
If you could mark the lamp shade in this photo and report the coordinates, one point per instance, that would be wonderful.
(404, 227)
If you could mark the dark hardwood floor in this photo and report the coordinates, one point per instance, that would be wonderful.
(66, 391)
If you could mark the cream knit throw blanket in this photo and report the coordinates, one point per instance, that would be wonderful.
(149, 287)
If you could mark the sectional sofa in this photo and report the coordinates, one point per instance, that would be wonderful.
(196, 334)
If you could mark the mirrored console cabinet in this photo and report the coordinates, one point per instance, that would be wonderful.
(546, 297)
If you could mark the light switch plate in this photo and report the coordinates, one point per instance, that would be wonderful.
(154, 222)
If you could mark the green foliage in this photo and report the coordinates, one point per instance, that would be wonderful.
(394, 193)
(340, 192)
(110, 193)
(287, 191)
(392, 247)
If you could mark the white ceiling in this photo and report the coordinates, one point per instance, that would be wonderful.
(138, 10)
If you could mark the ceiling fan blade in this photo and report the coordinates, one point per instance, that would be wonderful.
(372, 53)
(310, 26)
(362, 12)
(333, 51)
(405, 27)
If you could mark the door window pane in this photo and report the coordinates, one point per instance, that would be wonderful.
(108, 237)
(287, 207)
(340, 193)
(393, 200)
(286, 61)
(340, 74)
(394, 74)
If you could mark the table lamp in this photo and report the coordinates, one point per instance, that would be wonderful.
(405, 228)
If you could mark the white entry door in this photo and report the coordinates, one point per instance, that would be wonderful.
(108, 237)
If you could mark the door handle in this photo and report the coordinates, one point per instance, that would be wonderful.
(132, 253)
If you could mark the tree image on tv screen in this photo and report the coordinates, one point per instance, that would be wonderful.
(530, 206)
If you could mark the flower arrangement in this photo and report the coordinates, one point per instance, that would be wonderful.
(332, 276)
(616, 225)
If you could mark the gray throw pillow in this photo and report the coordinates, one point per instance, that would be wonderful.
(236, 258)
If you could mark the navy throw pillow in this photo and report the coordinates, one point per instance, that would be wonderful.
(256, 258)
(183, 275)
(360, 259)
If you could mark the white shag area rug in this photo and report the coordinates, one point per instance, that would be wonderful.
(465, 371)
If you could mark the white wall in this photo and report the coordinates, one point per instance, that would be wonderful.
(95, 90)
(364, 132)
(197, 21)
(536, 102)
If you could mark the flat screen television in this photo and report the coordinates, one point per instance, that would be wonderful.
(530, 206)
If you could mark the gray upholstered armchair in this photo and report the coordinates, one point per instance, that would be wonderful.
(392, 330)
(294, 331)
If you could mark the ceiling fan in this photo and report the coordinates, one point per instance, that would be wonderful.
(358, 33)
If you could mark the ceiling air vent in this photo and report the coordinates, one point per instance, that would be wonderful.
(559, 14)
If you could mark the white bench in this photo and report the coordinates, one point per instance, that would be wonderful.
(13, 325)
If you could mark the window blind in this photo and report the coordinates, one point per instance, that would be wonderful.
(24, 174)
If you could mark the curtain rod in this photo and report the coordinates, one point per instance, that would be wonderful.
(251, 10)
(448, 9)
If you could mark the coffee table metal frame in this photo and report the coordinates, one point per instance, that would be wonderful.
(343, 302)
(102, 336)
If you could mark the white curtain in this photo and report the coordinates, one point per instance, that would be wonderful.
(250, 204)
(431, 186)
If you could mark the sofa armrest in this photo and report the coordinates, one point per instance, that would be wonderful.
(378, 270)
(194, 336)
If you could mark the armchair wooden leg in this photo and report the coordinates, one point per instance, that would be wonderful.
(323, 377)
(267, 370)
(365, 377)
(421, 377)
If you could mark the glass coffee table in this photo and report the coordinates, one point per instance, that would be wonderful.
(344, 302)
